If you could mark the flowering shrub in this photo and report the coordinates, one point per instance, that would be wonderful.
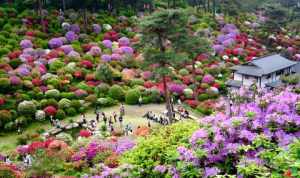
(27, 108)
(55, 43)
(26, 44)
(71, 36)
(85, 133)
(50, 110)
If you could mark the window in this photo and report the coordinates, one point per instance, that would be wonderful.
(268, 76)
(279, 72)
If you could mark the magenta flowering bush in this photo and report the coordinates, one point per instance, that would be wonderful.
(177, 88)
(107, 43)
(67, 49)
(116, 57)
(124, 41)
(95, 51)
(14, 80)
(208, 79)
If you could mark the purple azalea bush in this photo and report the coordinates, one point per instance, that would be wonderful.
(26, 44)
(55, 43)
(96, 28)
(71, 36)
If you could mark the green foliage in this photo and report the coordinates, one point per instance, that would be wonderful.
(54, 93)
(64, 103)
(55, 65)
(5, 117)
(104, 73)
(160, 147)
(132, 96)
(60, 114)
(102, 89)
(71, 111)
(116, 92)
(134, 82)
(27, 108)
(105, 102)
(4, 85)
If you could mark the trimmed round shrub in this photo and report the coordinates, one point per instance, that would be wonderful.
(60, 114)
(4, 85)
(40, 115)
(91, 99)
(55, 65)
(102, 89)
(48, 102)
(116, 92)
(3, 51)
(54, 82)
(76, 104)
(71, 111)
(5, 117)
(50, 110)
(134, 82)
(54, 93)
(183, 72)
(68, 95)
(188, 92)
(64, 103)
(155, 96)
(132, 96)
(105, 102)
(27, 108)
(14, 63)
(203, 97)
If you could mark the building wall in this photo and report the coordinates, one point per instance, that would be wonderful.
(237, 77)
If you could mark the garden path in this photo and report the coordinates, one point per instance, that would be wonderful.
(134, 113)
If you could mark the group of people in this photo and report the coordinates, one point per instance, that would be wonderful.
(183, 113)
(27, 160)
(161, 118)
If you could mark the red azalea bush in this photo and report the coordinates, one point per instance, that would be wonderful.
(86, 47)
(192, 103)
(37, 82)
(35, 146)
(50, 110)
(14, 54)
(90, 77)
(78, 74)
(149, 84)
(86, 64)
(85, 133)
(2, 101)
(111, 35)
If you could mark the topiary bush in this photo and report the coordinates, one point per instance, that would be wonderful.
(183, 72)
(5, 117)
(104, 73)
(105, 102)
(4, 85)
(27, 108)
(54, 93)
(132, 96)
(40, 115)
(71, 111)
(76, 104)
(116, 92)
(134, 82)
(102, 89)
(64, 103)
(60, 114)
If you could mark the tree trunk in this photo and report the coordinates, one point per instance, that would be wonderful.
(168, 100)
(85, 20)
(64, 5)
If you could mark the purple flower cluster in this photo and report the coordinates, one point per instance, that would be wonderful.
(106, 57)
(208, 79)
(75, 28)
(124, 41)
(71, 36)
(187, 155)
(226, 39)
(177, 88)
(107, 43)
(96, 28)
(123, 145)
(55, 43)
(26, 44)
(160, 168)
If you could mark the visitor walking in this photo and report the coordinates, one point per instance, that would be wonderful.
(149, 124)
(97, 117)
(121, 120)
(7, 160)
(28, 160)
(122, 110)
(115, 116)
(104, 118)
(140, 101)
(110, 122)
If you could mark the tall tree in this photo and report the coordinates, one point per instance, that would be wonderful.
(160, 31)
